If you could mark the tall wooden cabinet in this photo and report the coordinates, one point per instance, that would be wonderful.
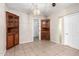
(45, 29)
(12, 26)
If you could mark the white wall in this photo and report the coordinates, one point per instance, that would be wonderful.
(2, 29)
(71, 30)
(25, 26)
(55, 35)
(54, 29)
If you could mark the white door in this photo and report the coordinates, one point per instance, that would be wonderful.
(71, 30)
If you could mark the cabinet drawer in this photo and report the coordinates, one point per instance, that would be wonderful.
(16, 39)
(45, 35)
(10, 41)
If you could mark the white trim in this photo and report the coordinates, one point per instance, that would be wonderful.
(32, 29)
(61, 32)
(3, 53)
(26, 42)
(39, 29)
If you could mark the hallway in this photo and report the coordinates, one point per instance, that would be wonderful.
(42, 48)
(59, 23)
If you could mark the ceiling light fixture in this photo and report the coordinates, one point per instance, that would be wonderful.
(36, 11)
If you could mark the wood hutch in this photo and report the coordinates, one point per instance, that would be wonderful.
(45, 29)
(12, 26)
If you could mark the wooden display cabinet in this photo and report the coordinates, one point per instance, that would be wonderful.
(12, 25)
(45, 29)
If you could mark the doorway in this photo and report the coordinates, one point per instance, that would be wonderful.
(36, 29)
(41, 29)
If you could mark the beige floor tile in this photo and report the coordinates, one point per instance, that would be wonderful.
(19, 53)
(42, 48)
(10, 52)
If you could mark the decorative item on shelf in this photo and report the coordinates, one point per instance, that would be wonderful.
(44, 23)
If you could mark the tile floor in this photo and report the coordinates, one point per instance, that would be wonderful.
(42, 48)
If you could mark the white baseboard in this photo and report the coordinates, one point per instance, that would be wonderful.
(26, 42)
(73, 46)
(3, 53)
(53, 41)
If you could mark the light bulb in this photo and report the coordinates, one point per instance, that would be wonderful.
(36, 12)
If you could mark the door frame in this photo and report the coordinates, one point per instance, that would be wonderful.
(33, 29)
(61, 32)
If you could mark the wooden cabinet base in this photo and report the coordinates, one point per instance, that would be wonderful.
(10, 41)
(16, 39)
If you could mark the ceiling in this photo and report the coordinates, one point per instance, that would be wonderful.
(46, 9)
